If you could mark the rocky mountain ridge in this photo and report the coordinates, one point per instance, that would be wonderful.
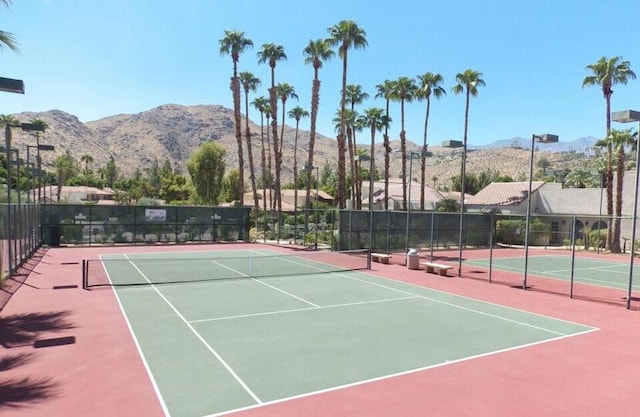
(174, 132)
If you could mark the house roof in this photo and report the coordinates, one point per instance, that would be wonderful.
(573, 201)
(396, 191)
(504, 193)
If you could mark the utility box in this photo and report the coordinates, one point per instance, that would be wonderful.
(413, 259)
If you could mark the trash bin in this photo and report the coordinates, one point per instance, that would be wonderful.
(413, 259)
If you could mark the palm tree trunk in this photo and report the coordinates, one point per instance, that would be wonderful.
(252, 173)
(295, 181)
(341, 136)
(387, 158)
(235, 87)
(423, 164)
(403, 149)
(615, 247)
(610, 243)
(315, 101)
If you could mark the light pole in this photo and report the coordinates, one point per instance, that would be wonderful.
(410, 156)
(7, 143)
(459, 144)
(627, 116)
(546, 138)
(308, 167)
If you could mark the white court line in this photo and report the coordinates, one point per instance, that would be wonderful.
(435, 300)
(397, 374)
(163, 405)
(266, 285)
(269, 313)
(199, 336)
(564, 278)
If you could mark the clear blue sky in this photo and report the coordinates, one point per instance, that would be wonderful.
(99, 58)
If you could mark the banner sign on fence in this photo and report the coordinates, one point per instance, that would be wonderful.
(155, 215)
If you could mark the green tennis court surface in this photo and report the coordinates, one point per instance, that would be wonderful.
(215, 346)
(586, 270)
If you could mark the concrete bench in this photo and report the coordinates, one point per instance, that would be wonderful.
(383, 258)
(432, 267)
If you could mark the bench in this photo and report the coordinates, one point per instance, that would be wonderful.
(431, 267)
(383, 258)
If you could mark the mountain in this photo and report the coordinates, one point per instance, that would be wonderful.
(584, 145)
(174, 132)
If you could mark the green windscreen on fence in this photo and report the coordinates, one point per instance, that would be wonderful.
(86, 225)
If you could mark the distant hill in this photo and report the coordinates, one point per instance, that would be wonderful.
(174, 132)
(581, 145)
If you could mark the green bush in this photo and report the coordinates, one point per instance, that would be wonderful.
(513, 231)
(598, 238)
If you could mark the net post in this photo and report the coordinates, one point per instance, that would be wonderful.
(84, 274)
(369, 259)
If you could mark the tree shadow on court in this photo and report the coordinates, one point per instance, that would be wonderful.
(26, 391)
(9, 362)
(24, 329)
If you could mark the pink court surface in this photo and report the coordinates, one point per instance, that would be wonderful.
(69, 352)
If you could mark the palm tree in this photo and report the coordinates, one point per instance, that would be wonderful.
(6, 38)
(316, 52)
(250, 83)
(271, 54)
(234, 43)
(386, 90)
(296, 113)
(86, 159)
(618, 140)
(355, 95)
(428, 84)
(260, 104)
(468, 82)
(606, 73)
(375, 119)
(403, 91)
(345, 34)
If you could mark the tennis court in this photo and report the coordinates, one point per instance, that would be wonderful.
(222, 331)
(604, 273)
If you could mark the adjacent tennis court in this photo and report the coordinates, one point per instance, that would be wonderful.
(221, 331)
(609, 274)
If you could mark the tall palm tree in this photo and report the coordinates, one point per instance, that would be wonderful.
(250, 83)
(428, 84)
(375, 119)
(345, 34)
(606, 73)
(296, 113)
(385, 90)
(618, 140)
(7, 39)
(271, 54)
(355, 95)
(260, 104)
(467, 82)
(316, 52)
(404, 89)
(234, 43)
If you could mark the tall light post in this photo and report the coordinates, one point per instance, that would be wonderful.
(628, 116)
(308, 167)
(459, 144)
(410, 156)
(546, 138)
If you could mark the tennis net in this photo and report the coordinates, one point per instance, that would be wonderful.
(167, 268)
